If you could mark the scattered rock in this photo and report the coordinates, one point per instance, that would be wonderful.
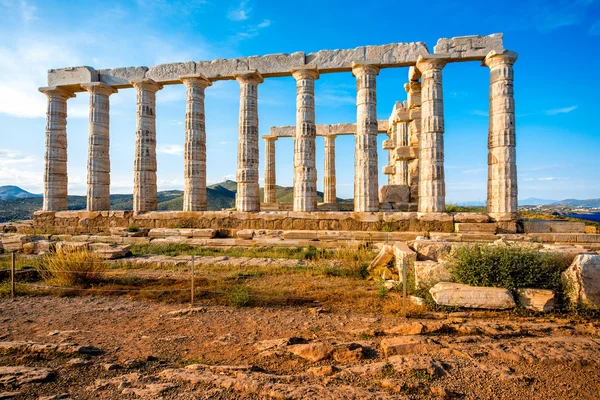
(133, 364)
(408, 364)
(62, 396)
(379, 266)
(368, 369)
(20, 375)
(187, 311)
(9, 395)
(78, 362)
(149, 390)
(326, 370)
(112, 367)
(459, 295)
(414, 328)
(348, 353)
(314, 352)
(537, 299)
(419, 301)
(278, 343)
(402, 345)
(582, 281)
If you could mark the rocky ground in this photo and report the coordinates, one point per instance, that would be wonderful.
(115, 348)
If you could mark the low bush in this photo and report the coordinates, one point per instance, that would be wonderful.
(72, 267)
(507, 267)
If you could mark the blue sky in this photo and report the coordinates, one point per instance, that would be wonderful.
(557, 84)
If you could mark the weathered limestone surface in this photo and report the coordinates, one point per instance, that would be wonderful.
(543, 226)
(413, 95)
(469, 47)
(326, 129)
(72, 76)
(171, 73)
(432, 190)
(537, 299)
(144, 166)
(98, 176)
(365, 157)
(428, 273)
(394, 194)
(194, 191)
(121, 77)
(305, 169)
(248, 195)
(329, 190)
(582, 281)
(270, 191)
(55, 176)
(502, 158)
(459, 295)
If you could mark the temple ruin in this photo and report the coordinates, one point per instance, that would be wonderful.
(415, 189)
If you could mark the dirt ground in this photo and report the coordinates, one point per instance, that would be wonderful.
(151, 350)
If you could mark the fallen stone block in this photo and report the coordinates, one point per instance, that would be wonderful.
(246, 234)
(111, 252)
(402, 345)
(459, 295)
(314, 352)
(429, 273)
(537, 299)
(582, 281)
(21, 375)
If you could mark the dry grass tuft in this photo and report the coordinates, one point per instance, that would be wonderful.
(65, 267)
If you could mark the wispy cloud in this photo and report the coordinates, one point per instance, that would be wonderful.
(20, 169)
(541, 167)
(240, 13)
(474, 171)
(563, 110)
(170, 149)
(479, 113)
(335, 96)
(546, 179)
(552, 15)
(27, 11)
(251, 31)
(595, 29)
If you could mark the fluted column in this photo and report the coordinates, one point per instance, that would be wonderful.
(329, 193)
(270, 194)
(305, 168)
(55, 158)
(502, 166)
(432, 189)
(413, 94)
(144, 165)
(98, 170)
(194, 170)
(248, 195)
(366, 185)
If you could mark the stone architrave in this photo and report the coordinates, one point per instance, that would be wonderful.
(144, 165)
(502, 157)
(55, 171)
(329, 192)
(366, 186)
(305, 169)
(432, 190)
(194, 192)
(270, 193)
(248, 195)
(98, 173)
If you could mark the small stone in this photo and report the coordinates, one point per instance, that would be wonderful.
(135, 363)
(402, 345)
(314, 352)
(112, 367)
(537, 299)
(348, 353)
(78, 362)
(62, 396)
(326, 370)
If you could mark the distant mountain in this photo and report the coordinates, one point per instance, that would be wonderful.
(590, 203)
(15, 192)
(534, 201)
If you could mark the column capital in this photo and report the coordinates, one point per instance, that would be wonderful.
(412, 86)
(195, 80)
(361, 68)
(270, 138)
(57, 91)
(494, 58)
(330, 136)
(305, 71)
(429, 62)
(248, 77)
(414, 74)
(98, 87)
(146, 83)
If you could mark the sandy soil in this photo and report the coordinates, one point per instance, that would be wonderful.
(236, 356)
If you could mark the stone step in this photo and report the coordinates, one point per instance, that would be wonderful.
(543, 226)
(473, 227)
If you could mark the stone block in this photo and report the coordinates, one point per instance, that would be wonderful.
(72, 76)
(404, 255)
(588, 238)
(394, 194)
(403, 345)
(121, 77)
(459, 295)
(591, 229)
(469, 47)
(396, 54)
(537, 299)
(204, 233)
(431, 250)
(171, 72)
(300, 234)
(478, 218)
(429, 273)
(546, 226)
(472, 227)
(582, 281)
(388, 144)
(336, 60)
(276, 64)
(389, 169)
(221, 68)
(406, 153)
(246, 234)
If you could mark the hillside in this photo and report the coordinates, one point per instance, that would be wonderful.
(15, 192)
(590, 203)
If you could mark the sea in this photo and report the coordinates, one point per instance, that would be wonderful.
(593, 216)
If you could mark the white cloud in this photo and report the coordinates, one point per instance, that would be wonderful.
(264, 24)
(563, 110)
(241, 13)
(26, 11)
(480, 113)
(551, 15)
(20, 169)
(547, 179)
(251, 31)
(170, 149)
(474, 171)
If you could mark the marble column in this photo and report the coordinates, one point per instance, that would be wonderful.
(144, 165)
(194, 170)
(55, 169)
(432, 190)
(248, 195)
(366, 185)
(329, 193)
(502, 166)
(98, 170)
(305, 168)
(413, 94)
(270, 195)
(401, 175)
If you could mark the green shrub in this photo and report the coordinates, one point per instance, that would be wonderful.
(240, 296)
(507, 267)
(132, 228)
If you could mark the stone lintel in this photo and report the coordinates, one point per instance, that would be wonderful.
(98, 87)
(392, 55)
(326, 129)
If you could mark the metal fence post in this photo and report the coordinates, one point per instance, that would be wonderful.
(12, 275)
(404, 283)
(193, 288)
